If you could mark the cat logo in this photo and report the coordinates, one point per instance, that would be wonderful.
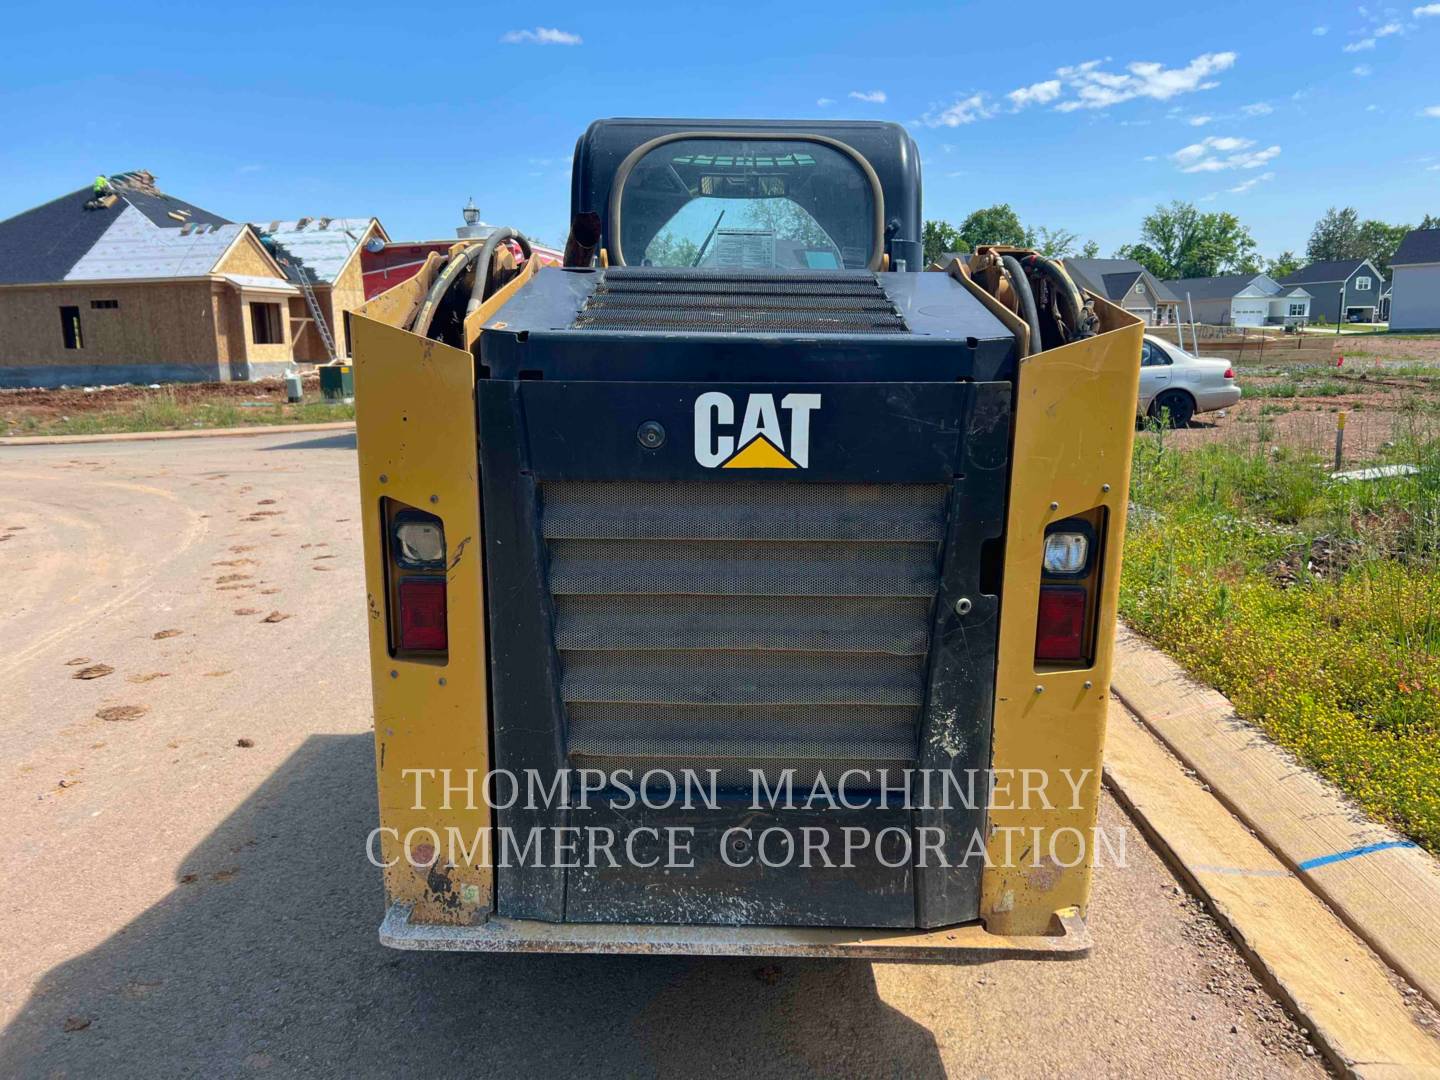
(761, 444)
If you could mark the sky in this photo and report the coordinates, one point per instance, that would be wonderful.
(1082, 118)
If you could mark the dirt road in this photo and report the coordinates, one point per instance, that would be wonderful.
(184, 886)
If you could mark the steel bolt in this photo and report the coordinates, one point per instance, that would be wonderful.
(434, 498)
(394, 674)
(1054, 506)
(384, 479)
(442, 680)
(963, 606)
(1088, 684)
(1105, 487)
(651, 435)
(1039, 689)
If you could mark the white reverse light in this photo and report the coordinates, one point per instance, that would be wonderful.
(1066, 552)
(421, 542)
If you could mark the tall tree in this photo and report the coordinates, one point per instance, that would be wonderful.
(1056, 243)
(1378, 242)
(1287, 262)
(1177, 241)
(940, 237)
(1147, 257)
(1335, 236)
(1091, 250)
(997, 224)
(1432, 221)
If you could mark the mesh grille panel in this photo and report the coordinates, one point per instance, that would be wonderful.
(701, 300)
(728, 625)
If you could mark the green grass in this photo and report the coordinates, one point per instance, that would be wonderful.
(161, 412)
(1313, 605)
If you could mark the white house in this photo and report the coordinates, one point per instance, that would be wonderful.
(1415, 282)
(1241, 300)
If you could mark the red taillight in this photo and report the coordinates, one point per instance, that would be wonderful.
(422, 615)
(1229, 373)
(1060, 625)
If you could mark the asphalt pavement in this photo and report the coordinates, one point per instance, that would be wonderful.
(185, 889)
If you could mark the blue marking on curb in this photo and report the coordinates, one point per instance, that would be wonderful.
(1354, 853)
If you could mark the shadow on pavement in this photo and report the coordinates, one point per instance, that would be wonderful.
(269, 961)
(343, 441)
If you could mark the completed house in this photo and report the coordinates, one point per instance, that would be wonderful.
(1241, 300)
(1127, 284)
(1415, 282)
(1342, 291)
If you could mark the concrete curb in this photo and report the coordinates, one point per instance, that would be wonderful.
(1384, 887)
(189, 433)
(1308, 958)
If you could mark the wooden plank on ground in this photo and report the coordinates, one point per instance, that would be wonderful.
(1322, 972)
(1383, 886)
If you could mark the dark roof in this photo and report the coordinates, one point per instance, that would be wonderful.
(1120, 283)
(1419, 246)
(1336, 270)
(1104, 275)
(1211, 288)
(41, 245)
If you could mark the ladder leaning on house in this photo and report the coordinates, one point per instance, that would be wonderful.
(320, 324)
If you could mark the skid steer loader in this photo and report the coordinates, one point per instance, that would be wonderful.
(743, 586)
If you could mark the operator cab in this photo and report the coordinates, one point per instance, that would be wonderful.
(751, 195)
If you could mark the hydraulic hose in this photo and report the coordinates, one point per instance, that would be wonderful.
(453, 271)
(1072, 307)
(1021, 284)
(482, 270)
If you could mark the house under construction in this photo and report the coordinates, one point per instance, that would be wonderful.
(120, 282)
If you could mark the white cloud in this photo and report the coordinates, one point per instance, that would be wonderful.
(1218, 153)
(1361, 70)
(1361, 45)
(1258, 108)
(955, 175)
(540, 36)
(1320, 31)
(1148, 157)
(1372, 108)
(964, 111)
(1199, 121)
(1432, 168)
(1431, 110)
(824, 102)
(1095, 88)
(1390, 28)
(1040, 93)
(1426, 10)
(1246, 185)
(874, 97)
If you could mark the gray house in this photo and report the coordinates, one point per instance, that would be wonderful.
(1415, 282)
(1362, 284)
(1242, 300)
(1127, 284)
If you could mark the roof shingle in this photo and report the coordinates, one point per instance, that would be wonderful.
(1419, 246)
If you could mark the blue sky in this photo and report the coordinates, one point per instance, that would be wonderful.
(1272, 111)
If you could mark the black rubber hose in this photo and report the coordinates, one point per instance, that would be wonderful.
(1021, 284)
(1072, 306)
(482, 268)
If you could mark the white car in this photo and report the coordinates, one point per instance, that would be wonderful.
(1171, 379)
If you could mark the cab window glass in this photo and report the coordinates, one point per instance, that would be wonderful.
(761, 204)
